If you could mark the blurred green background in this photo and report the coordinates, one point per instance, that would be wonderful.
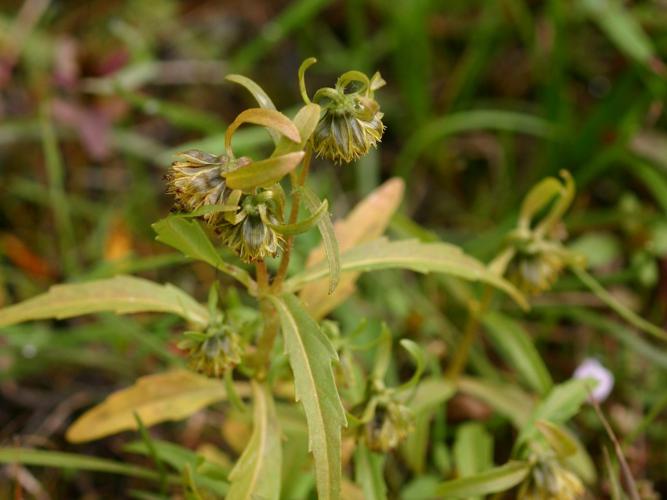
(484, 98)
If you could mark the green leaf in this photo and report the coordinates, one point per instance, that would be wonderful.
(263, 173)
(418, 356)
(518, 349)
(260, 96)
(61, 460)
(305, 121)
(620, 309)
(414, 255)
(506, 399)
(120, 294)
(155, 398)
(561, 404)
(311, 354)
(304, 225)
(429, 394)
(269, 118)
(257, 472)
(366, 222)
(189, 238)
(491, 481)
(368, 471)
(473, 449)
(329, 240)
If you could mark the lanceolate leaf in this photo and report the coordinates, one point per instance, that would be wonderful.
(120, 294)
(263, 173)
(329, 240)
(491, 481)
(515, 345)
(561, 404)
(257, 472)
(310, 355)
(414, 255)
(189, 238)
(366, 222)
(155, 398)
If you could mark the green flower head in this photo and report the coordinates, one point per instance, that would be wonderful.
(215, 351)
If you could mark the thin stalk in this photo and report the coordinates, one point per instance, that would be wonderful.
(294, 214)
(470, 334)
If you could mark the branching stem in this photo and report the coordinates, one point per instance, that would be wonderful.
(470, 334)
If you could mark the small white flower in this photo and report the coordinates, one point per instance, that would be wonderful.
(592, 368)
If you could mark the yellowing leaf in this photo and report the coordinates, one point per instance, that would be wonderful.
(366, 222)
(305, 121)
(269, 118)
(120, 294)
(311, 354)
(155, 398)
(257, 472)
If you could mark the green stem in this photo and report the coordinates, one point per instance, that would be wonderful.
(470, 334)
(294, 214)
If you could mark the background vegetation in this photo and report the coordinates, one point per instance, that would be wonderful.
(484, 98)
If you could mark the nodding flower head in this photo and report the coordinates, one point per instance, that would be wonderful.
(215, 351)
(250, 232)
(195, 180)
(351, 120)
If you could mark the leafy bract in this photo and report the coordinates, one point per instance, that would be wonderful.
(155, 398)
(491, 481)
(329, 241)
(305, 121)
(413, 255)
(260, 96)
(269, 118)
(189, 238)
(263, 173)
(120, 294)
(310, 354)
(257, 471)
(366, 222)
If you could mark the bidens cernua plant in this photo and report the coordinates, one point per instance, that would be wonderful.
(296, 380)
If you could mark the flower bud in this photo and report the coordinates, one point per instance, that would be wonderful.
(215, 352)
(550, 480)
(537, 272)
(351, 121)
(390, 425)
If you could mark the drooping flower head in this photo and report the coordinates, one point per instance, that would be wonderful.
(250, 232)
(351, 120)
(390, 425)
(195, 180)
